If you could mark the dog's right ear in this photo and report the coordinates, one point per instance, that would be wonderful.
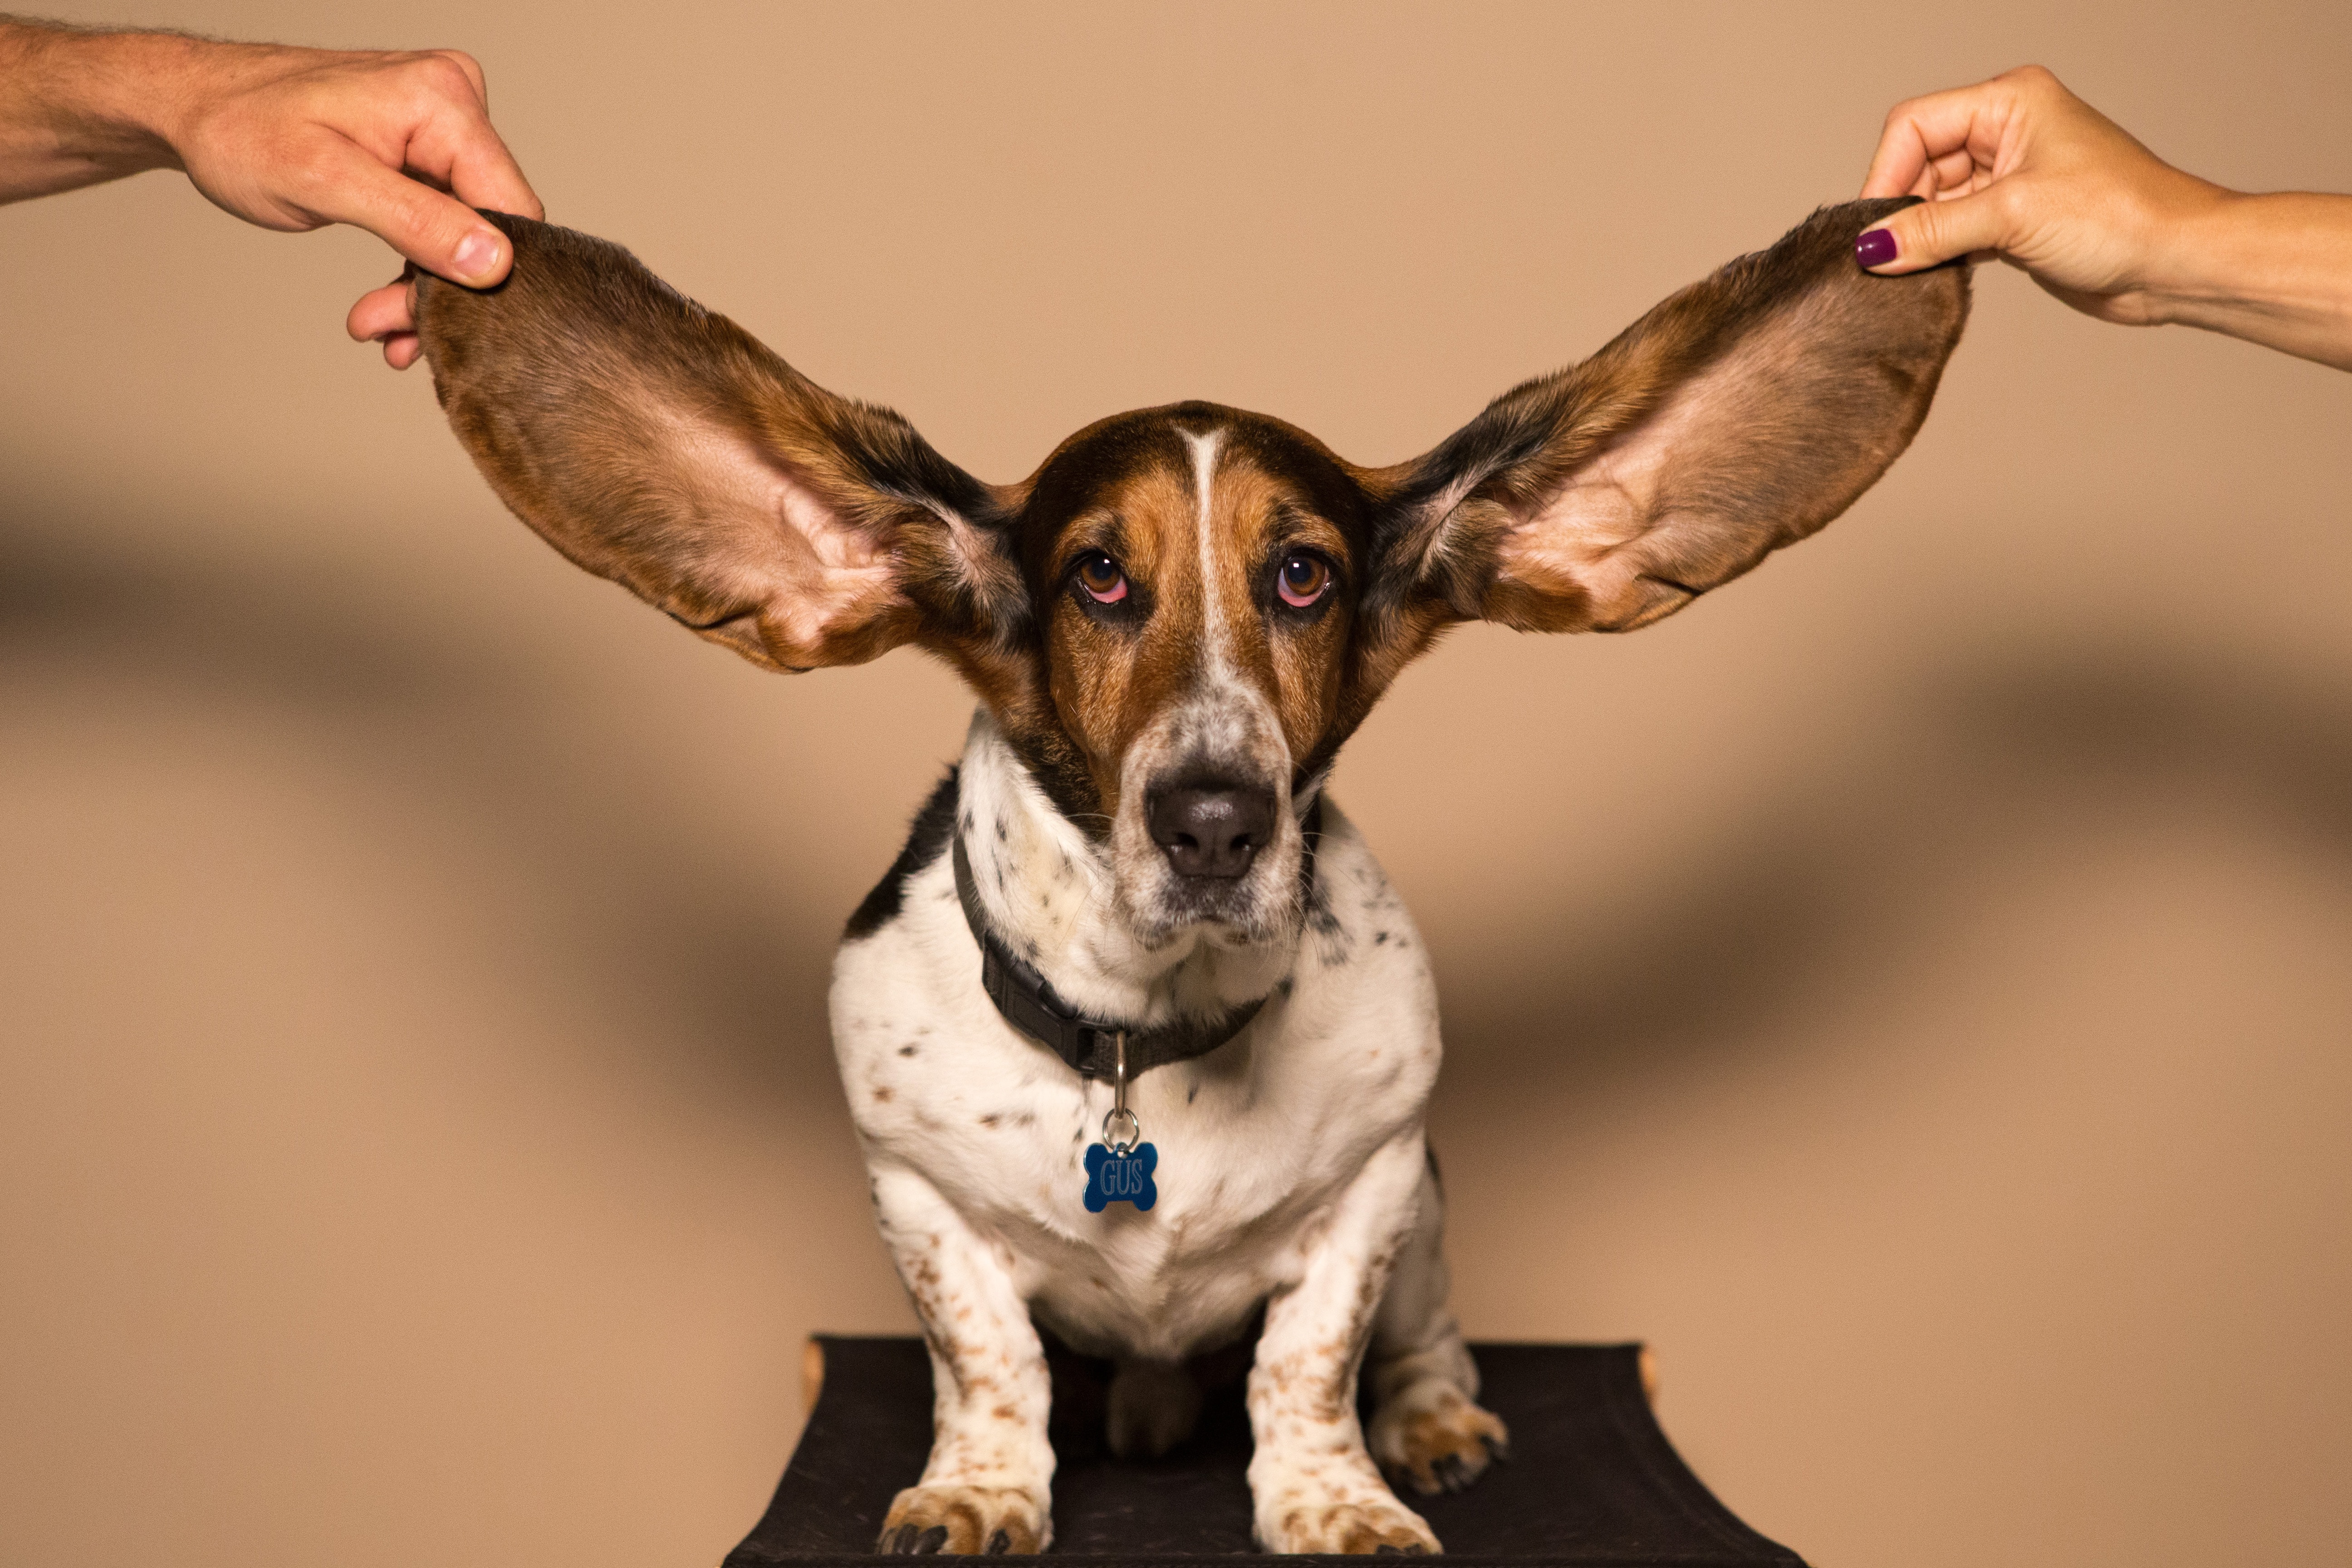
(661, 445)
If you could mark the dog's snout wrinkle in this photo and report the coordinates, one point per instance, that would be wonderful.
(1212, 830)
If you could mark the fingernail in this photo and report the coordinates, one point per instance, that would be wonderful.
(1875, 248)
(478, 252)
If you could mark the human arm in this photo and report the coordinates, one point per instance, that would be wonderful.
(289, 139)
(2020, 168)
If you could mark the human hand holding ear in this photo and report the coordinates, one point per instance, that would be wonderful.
(294, 138)
(398, 143)
(2020, 169)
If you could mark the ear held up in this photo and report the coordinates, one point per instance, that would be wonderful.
(660, 445)
(1739, 415)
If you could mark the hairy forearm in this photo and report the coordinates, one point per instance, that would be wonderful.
(78, 106)
(2275, 270)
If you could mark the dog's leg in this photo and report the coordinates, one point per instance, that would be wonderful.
(1427, 1427)
(987, 1486)
(1312, 1484)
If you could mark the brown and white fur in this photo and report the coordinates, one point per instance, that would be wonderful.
(1171, 627)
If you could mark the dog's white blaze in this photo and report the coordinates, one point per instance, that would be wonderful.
(1212, 609)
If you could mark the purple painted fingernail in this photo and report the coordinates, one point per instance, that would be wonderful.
(1875, 248)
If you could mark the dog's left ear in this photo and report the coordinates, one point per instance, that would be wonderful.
(1741, 415)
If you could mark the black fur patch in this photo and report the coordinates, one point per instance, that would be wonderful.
(926, 842)
(1320, 917)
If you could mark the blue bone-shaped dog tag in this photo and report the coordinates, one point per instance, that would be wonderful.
(1121, 1178)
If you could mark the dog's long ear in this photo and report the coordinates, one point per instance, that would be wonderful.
(661, 445)
(1741, 415)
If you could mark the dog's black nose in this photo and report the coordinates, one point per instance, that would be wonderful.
(1212, 830)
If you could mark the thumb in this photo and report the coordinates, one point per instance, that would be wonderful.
(438, 232)
(1929, 233)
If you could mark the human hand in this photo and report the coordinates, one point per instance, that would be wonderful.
(294, 138)
(2019, 168)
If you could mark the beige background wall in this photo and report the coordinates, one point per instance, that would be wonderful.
(1912, 990)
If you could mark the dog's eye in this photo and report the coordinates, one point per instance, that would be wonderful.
(1304, 579)
(1100, 575)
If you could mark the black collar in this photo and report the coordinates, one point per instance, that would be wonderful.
(1031, 1005)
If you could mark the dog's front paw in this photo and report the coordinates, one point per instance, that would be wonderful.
(966, 1521)
(1358, 1526)
(1431, 1435)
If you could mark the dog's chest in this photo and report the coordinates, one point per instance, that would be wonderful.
(1254, 1141)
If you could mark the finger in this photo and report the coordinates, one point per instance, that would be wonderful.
(388, 316)
(1934, 232)
(1954, 171)
(380, 313)
(1922, 129)
(347, 185)
(485, 174)
(473, 69)
(457, 148)
(1899, 164)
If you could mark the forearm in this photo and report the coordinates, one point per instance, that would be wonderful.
(2275, 270)
(77, 107)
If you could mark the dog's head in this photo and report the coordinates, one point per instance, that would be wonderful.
(1181, 614)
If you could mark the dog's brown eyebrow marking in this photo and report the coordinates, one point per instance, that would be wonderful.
(1105, 531)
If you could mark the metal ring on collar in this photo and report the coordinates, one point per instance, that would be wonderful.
(1132, 1128)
